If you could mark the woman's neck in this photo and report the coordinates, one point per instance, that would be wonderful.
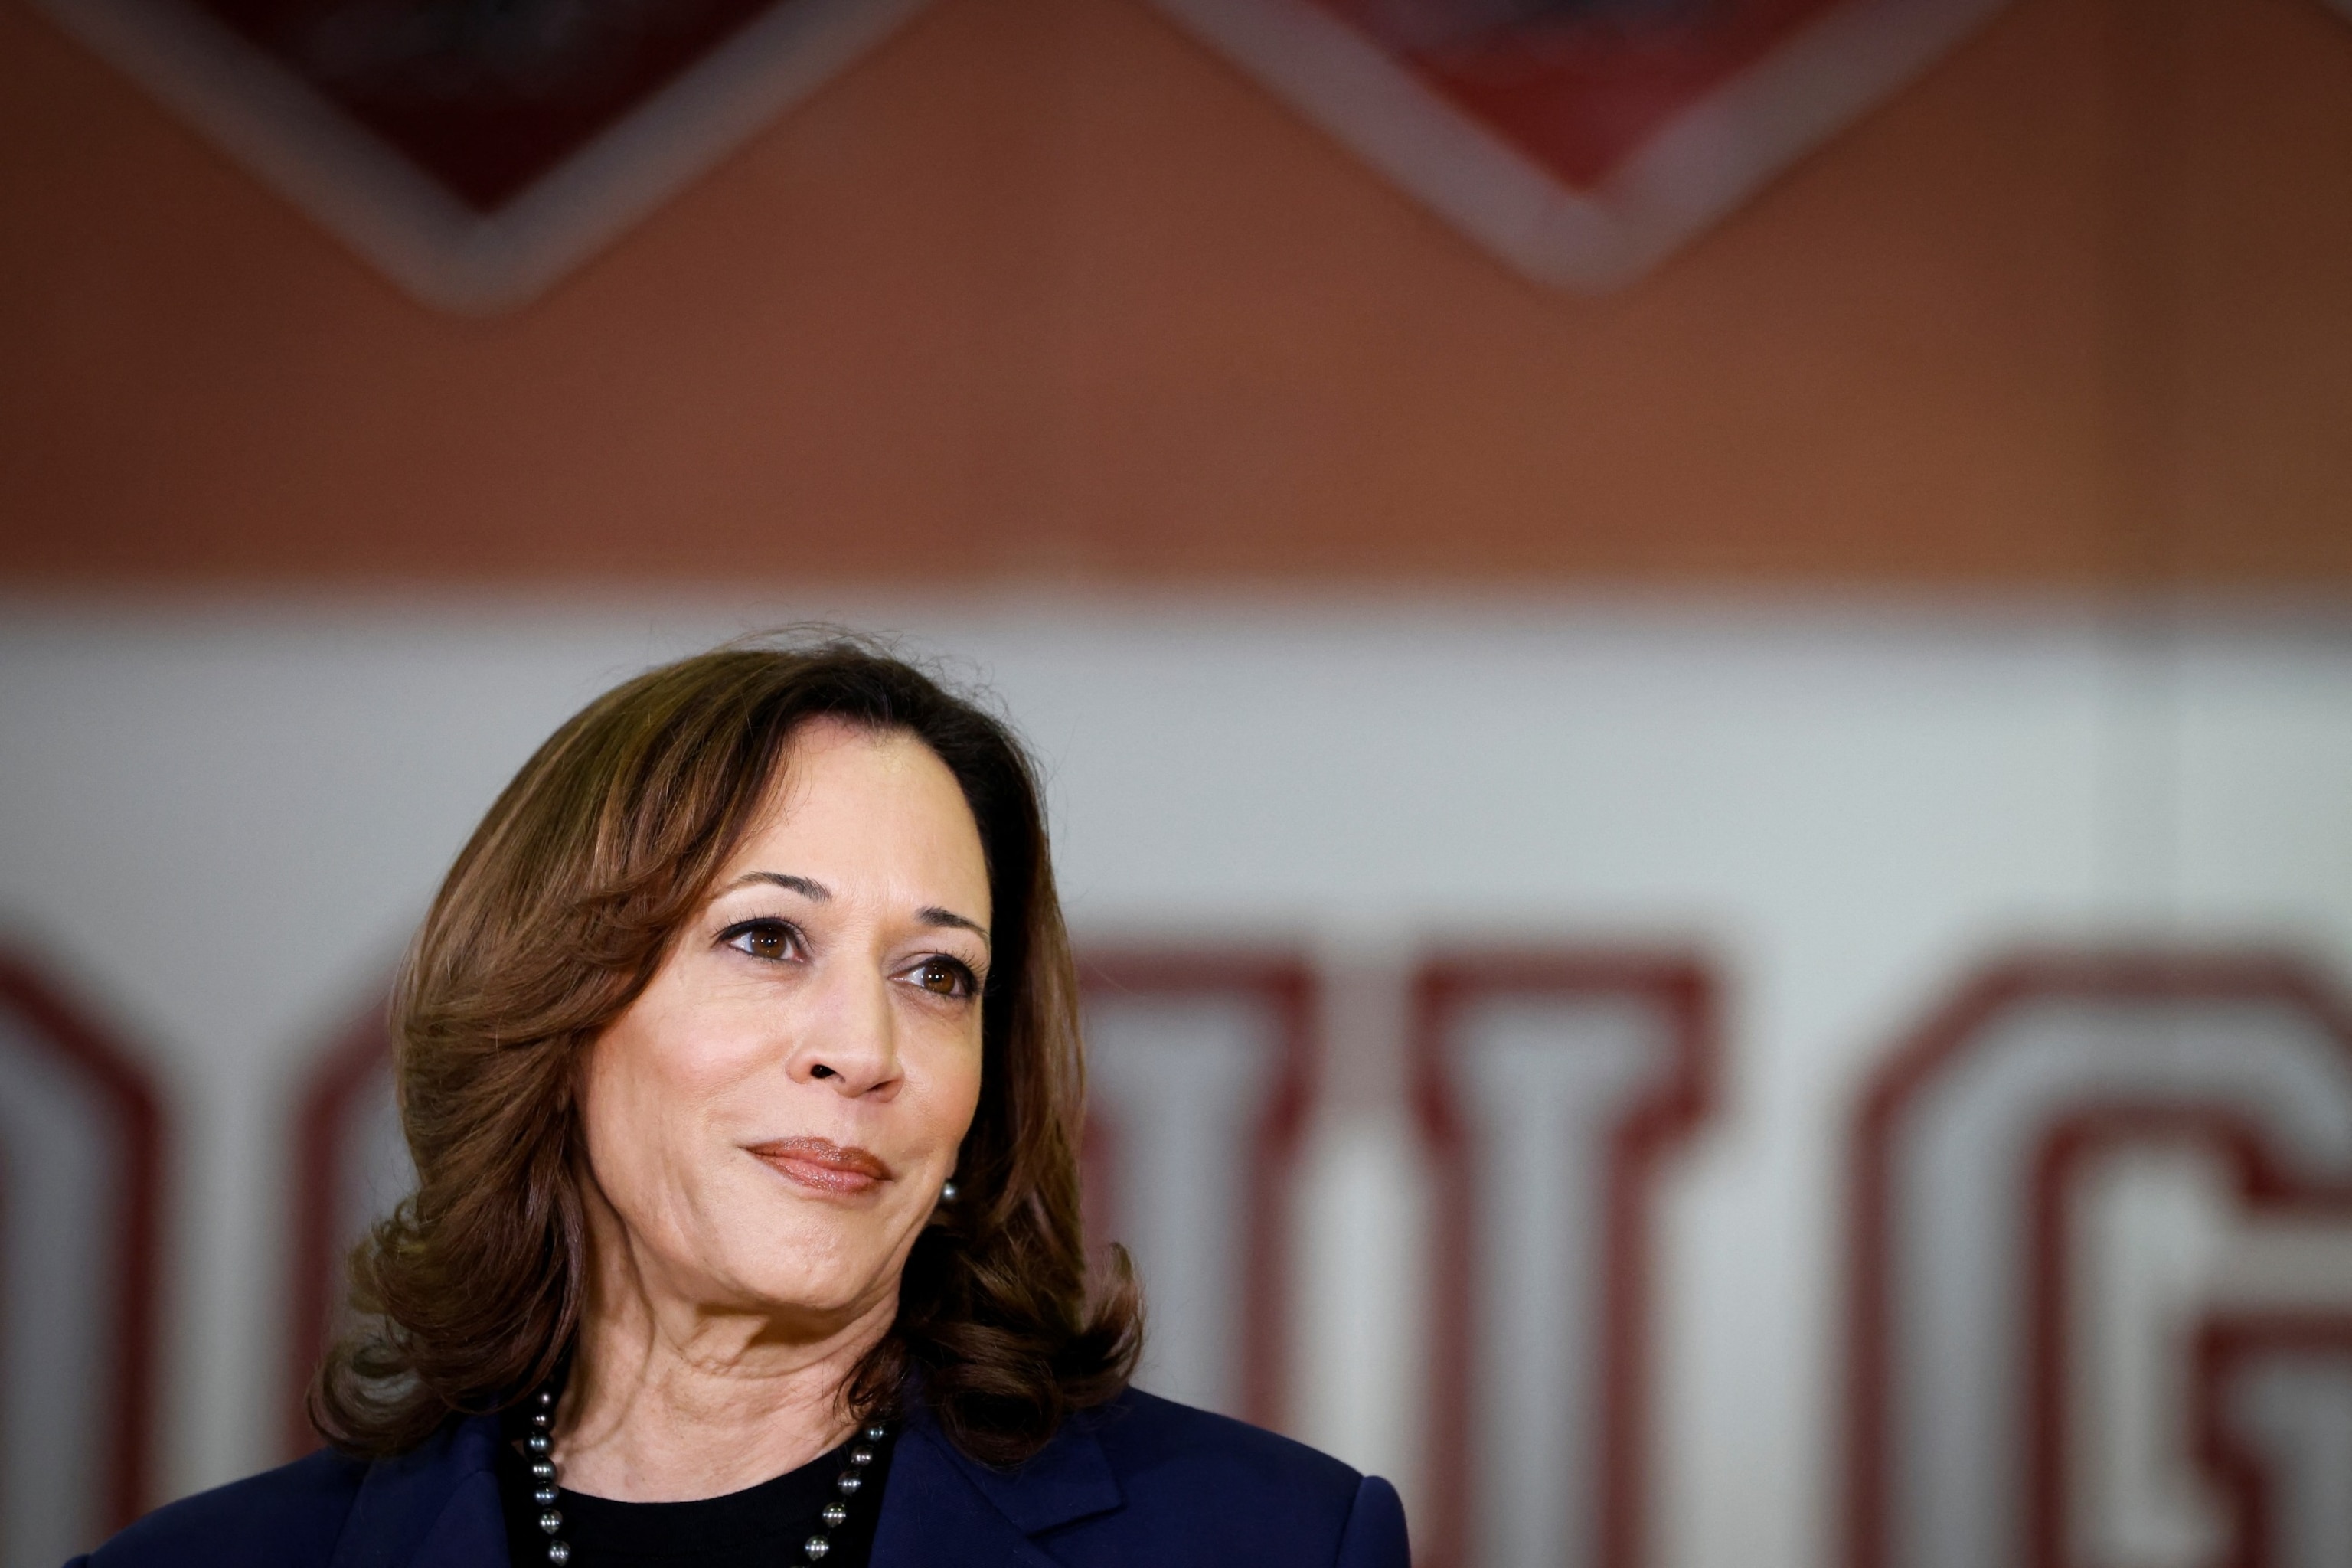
(668, 1400)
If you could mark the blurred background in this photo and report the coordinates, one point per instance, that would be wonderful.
(1694, 658)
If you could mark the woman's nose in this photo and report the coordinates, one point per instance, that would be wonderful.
(854, 1044)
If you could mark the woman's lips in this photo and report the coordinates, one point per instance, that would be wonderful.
(821, 1164)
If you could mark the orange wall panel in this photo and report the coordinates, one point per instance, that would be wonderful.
(1042, 288)
(2263, 295)
(1886, 364)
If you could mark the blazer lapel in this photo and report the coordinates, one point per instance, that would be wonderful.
(941, 1509)
(438, 1505)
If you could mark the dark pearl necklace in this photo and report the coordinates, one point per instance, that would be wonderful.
(541, 1444)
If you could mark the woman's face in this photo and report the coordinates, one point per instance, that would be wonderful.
(771, 1120)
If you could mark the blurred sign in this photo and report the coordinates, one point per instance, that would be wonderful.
(350, 1166)
(2103, 1276)
(2275, 1427)
(478, 149)
(1549, 1087)
(1199, 1071)
(1583, 140)
(79, 1164)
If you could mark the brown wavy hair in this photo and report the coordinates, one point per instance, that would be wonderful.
(554, 918)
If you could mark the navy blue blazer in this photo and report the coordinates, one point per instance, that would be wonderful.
(1139, 1483)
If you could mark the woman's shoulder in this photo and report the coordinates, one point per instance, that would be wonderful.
(1272, 1498)
(1144, 1482)
(436, 1503)
(290, 1516)
(1144, 1435)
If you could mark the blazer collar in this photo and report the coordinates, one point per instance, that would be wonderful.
(438, 1503)
(943, 1507)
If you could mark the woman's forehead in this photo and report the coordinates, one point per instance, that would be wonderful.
(866, 802)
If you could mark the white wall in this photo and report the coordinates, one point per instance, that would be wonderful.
(220, 820)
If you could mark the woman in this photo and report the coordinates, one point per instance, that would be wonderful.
(739, 1059)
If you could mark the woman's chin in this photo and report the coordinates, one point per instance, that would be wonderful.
(802, 1307)
(812, 1270)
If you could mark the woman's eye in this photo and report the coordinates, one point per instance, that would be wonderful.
(760, 939)
(944, 978)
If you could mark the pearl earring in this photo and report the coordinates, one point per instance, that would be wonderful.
(947, 1192)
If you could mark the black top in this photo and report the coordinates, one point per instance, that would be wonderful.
(758, 1527)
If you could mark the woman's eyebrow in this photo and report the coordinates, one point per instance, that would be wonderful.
(815, 891)
(934, 916)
